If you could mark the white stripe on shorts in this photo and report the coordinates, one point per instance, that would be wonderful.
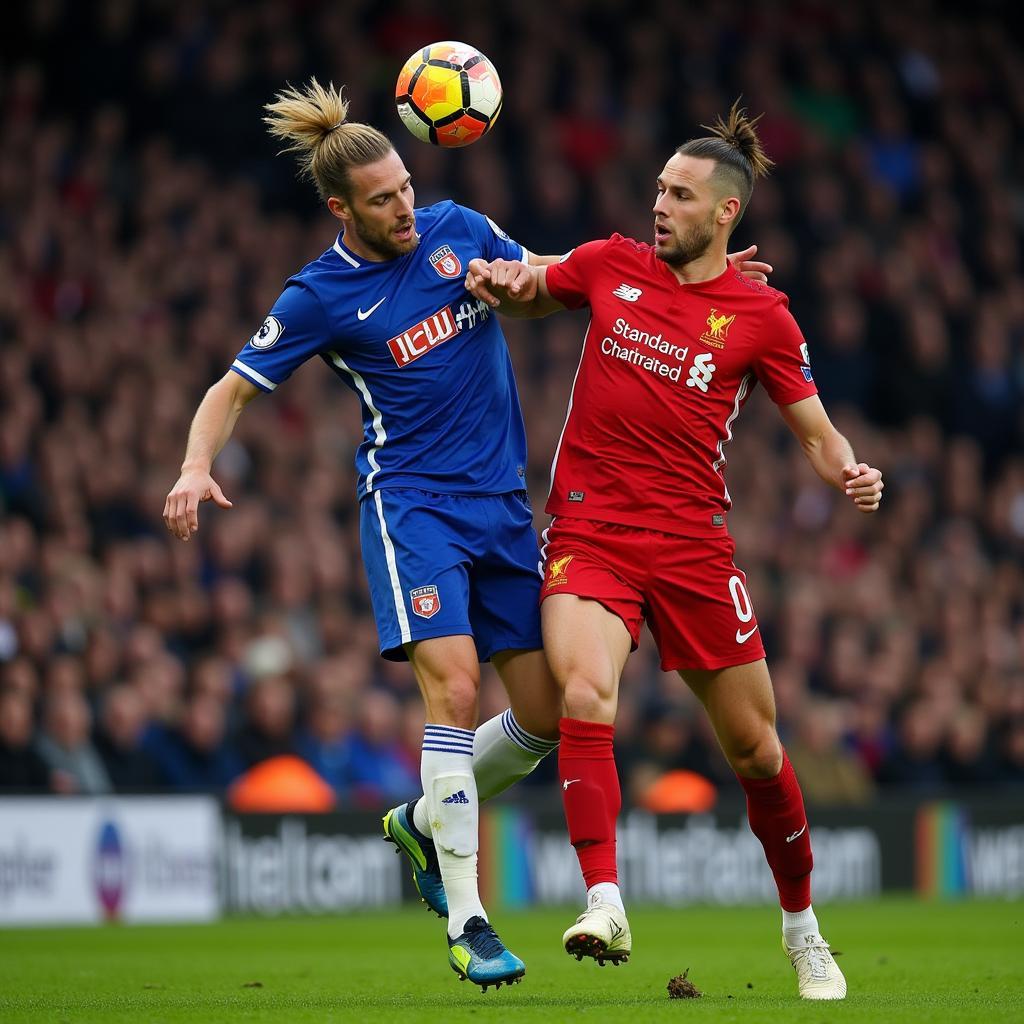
(396, 585)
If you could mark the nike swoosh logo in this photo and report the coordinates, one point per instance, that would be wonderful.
(797, 835)
(568, 783)
(742, 638)
(362, 316)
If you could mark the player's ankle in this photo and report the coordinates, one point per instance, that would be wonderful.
(796, 924)
(607, 893)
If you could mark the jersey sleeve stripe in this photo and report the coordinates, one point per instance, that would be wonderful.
(257, 378)
(380, 435)
(396, 583)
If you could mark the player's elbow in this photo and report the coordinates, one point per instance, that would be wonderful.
(235, 390)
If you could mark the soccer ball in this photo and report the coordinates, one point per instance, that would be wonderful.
(448, 94)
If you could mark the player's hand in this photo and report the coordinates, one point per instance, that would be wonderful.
(745, 263)
(864, 485)
(499, 280)
(477, 279)
(181, 509)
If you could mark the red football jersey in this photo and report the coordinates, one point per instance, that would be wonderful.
(665, 370)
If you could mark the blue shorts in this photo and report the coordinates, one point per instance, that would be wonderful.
(448, 565)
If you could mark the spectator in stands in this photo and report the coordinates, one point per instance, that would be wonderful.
(64, 745)
(325, 742)
(269, 727)
(195, 756)
(21, 767)
(119, 739)
(834, 775)
(381, 768)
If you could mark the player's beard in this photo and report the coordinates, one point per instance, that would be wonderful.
(694, 243)
(382, 241)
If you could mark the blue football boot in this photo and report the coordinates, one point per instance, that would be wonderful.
(479, 955)
(400, 830)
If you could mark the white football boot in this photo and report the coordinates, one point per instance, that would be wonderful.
(817, 973)
(602, 932)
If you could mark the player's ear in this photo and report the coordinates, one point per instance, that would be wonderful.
(728, 210)
(338, 207)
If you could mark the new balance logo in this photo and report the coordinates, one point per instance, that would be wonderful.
(627, 292)
(797, 835)
(456, 798)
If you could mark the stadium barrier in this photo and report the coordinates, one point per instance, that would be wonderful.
(186, 858)
(77, 860)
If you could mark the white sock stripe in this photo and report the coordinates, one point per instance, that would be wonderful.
(437, 748)
(520, 736)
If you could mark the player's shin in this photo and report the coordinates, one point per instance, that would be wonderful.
(450, 794)
(503, 753)
(775, 809)
(591, 796)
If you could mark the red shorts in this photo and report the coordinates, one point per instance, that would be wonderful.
(689, 590)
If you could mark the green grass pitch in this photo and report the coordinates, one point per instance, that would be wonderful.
(904, 960)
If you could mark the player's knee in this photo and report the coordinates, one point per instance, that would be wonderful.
(757, 757)
(586, 698)
(453, 701)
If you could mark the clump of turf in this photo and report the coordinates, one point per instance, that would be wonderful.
(680, 987)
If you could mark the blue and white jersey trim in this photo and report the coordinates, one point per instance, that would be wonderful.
(257, 378)
(380, 435)
(343, 253)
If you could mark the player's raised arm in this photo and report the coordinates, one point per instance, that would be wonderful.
(212, 425)
(831, 455)
(514, 288)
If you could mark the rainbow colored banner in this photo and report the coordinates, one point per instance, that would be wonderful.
(940, 850)
(506, 834)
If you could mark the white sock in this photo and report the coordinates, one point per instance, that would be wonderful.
(796, 925)
(503, 753)
(449, 789)
(605, 892)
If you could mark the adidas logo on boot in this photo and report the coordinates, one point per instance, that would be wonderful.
(456, 798)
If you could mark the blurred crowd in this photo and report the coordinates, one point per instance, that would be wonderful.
(146, 226)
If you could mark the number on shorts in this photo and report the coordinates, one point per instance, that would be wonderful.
(740, 599)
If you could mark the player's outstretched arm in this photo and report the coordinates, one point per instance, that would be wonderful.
(212, 425)
(516, 289)
(831, 455)
(745, 263)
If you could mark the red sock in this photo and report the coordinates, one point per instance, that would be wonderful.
(591, 796)
(775, 810)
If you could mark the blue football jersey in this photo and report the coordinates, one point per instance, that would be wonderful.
(427, 360)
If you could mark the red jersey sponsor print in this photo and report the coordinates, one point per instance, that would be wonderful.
(666, 368)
